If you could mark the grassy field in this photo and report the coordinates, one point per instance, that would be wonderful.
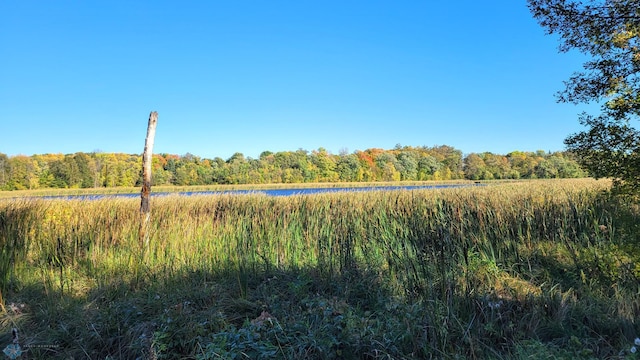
(523, 270)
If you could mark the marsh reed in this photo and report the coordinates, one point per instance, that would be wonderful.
(491, 266)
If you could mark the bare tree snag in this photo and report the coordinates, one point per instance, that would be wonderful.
(145, 211)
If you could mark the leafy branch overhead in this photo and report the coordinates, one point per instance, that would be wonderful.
(606, 31)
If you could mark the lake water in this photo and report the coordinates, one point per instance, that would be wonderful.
(269, 192)
(311, 191)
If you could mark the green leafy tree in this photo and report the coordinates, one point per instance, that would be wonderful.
(386, 163)
(287, 165)
(523, 164)
(408, 165)
(159, 176)
(65, 172)
(326, 165)
(546, 169)
(267, 171)
(497, 165)
(607, 31)
(128, 170)
(427, 166)
(205, 172)
(4, 171)
(348, 168)
(87, 169)
(219, 171)
(451, 160)
(567, 166)
(239, 168)
(107, 175)
(23, 173)
(475, 168)
(45, 179)
(189, 174)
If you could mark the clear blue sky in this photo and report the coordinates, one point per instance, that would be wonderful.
(249, 76)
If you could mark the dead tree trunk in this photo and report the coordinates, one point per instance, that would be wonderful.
(145, 211)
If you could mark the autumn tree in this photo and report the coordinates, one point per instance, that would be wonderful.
(607, 31)
(475, 168)
(367, 164)
(427, 166)
(523, 164)
(451, 160)
(400, 164)
(326, 165)
(159, 176)
(386, 163)
(23, 173)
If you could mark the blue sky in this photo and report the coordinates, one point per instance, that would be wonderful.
(249, 76)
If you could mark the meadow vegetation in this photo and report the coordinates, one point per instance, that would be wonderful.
(536, 269)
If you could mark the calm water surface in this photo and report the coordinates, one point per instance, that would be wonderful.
(269, 192)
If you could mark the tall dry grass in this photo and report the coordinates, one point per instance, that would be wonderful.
(536, 250)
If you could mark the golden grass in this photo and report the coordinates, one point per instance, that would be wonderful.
(391, 229)
(460, 251)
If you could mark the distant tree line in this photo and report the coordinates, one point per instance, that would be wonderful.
(403, 163)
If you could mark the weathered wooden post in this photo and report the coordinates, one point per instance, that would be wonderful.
(145, 211)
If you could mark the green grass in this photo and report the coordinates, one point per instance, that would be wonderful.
(518, 270)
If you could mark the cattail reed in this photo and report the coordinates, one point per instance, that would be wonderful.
(420, 239)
